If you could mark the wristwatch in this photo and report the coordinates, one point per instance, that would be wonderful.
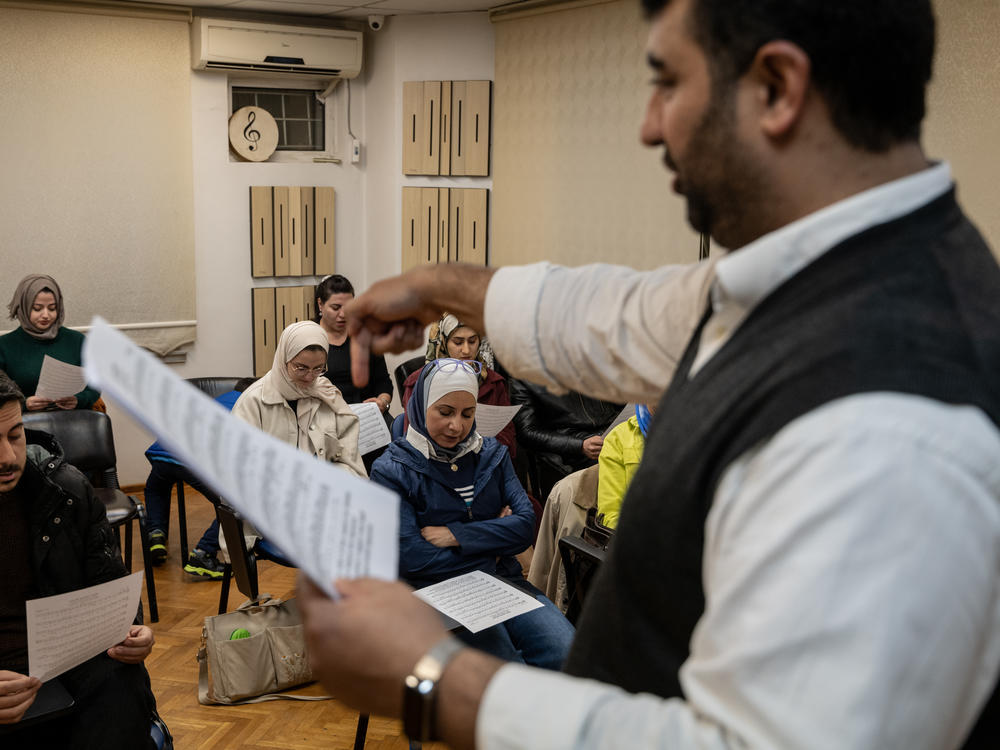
(420, 689)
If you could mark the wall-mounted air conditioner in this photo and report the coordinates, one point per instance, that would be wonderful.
(265, 48)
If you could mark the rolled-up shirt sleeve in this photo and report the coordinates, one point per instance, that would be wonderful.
(608, 331)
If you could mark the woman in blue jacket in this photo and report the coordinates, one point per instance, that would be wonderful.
(463, 509)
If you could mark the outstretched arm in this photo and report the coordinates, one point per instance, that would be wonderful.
(391, 315)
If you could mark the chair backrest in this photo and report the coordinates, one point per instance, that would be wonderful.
(404, 370)
(231, 526)
(214, 386)
(86, 439)
(397, 430)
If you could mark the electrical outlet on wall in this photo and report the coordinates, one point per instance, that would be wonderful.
(355, 151)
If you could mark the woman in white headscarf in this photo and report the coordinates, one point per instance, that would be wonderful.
(296, 404)
(37, 306)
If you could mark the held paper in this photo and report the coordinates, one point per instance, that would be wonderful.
(67, 629)
(59, 379)
(623, 416)
(491, 419)
(331, 523)
(374, 432)
(478, 600)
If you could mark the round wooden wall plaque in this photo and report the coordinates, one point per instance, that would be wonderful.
(253, 133)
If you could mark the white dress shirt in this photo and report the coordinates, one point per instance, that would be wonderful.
(878, 515)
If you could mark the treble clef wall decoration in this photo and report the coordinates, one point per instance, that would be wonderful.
(253, 133)
(249, 133)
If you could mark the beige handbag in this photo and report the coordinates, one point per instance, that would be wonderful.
(253, 669)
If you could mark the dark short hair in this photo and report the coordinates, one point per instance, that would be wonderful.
(871, 61)
(243, 383)
(9, 390)
(334, 284)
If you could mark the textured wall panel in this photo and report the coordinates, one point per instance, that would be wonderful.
(95, 117)
(572, 183)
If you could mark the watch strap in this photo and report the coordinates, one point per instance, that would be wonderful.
(420, 689)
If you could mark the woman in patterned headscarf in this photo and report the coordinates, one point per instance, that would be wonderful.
(462, 509)
(37, 305)
(449, 338)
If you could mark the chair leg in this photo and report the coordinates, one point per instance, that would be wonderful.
(227, 575)
(362, 732)
(182, 523)
(147, 561)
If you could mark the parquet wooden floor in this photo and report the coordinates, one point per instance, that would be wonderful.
(184, 602)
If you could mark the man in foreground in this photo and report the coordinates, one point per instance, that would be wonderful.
(808, 555)
(55, 538)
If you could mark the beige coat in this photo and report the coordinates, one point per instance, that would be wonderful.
(333, 432)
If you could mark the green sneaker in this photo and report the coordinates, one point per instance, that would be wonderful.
(204, 565)
(157, 546)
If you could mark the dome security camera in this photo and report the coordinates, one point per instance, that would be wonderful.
(375, 23)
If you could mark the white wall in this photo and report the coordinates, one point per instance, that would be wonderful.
(435, 47)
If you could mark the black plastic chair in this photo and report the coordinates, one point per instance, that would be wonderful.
(404, 370)
(88, 443)
(582, 557)
(242, 567)
(214, 387)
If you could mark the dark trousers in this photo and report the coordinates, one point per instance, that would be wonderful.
(113, 710)
(162, 477)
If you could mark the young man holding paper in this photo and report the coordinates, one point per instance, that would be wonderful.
(54, 538)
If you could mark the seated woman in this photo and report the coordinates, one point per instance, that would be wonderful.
(296, 404)
(462, 509)
(450, 338)
(37, 306)
(332, 294)
(620, 457)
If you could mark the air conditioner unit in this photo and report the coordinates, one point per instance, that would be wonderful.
(265, 48)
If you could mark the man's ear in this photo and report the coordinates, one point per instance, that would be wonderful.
(782, 72)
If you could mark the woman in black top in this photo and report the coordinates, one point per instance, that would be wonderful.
(332, 294)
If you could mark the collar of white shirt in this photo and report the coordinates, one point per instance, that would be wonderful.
(744, 277)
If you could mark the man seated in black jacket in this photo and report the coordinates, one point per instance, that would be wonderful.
(563, 433)
(55, 538)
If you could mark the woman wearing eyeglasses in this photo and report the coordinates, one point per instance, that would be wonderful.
(296, 404)
(463, 509)
(450, 338)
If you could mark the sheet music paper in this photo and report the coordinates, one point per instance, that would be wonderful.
(478, 600)
(374, 431)
(67, 629)
(59, 379)
(627, 413)
(331, 523)
(491, 419)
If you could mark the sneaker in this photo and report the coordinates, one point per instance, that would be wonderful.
(203, 565)
(157, 546)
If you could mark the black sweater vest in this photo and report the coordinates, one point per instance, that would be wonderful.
(910, 306)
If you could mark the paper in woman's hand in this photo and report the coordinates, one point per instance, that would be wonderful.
(58, 379)
(330, 523)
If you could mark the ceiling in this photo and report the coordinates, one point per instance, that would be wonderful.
(357, 9)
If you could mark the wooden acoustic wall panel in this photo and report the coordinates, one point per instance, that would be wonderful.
(444, 216)
(413, 126)
(411, 227)
(324, 249)
(446, 124)
(265, 330)
(282, 235)
(469, 213)
(295, 251)
(476, 128)
(458, 109)
(429, 228)
(431, 147)
(261, 232)
(307, 198)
